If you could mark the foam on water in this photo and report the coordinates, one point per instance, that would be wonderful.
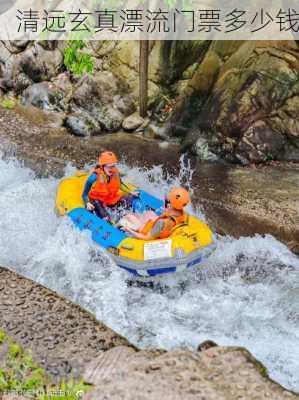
(247, 294)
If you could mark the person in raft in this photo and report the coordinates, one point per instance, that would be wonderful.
(149, 226)
(104, 192)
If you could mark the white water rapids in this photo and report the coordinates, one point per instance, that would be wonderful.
(247, 296)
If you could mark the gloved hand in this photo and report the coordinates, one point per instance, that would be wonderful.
(89, 206)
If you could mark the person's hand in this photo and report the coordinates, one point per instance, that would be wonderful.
(89, 206)
(136, 193)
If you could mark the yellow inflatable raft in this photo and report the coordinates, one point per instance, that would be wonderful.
(188, 245)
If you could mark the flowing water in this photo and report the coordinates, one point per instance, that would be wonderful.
(246, 295)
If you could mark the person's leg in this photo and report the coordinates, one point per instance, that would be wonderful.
(126, 201)
(100, 209)
(122, 207)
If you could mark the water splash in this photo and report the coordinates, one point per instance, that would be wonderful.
(247, 294)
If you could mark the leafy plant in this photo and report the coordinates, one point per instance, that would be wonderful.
(77, 61)
(20, 374)
(8, 103)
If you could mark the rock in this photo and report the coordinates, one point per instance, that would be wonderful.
(247, 92)
(207, 344)
(260, 143)
(153, 131)
(96, 96)
(9, 67)
(63, 82)
(61, 354)
(41, 64)
(106, 364)
(48, 44)
(82, 125)
(108, 117)
(212, 374)
(21, 82)
(17, 46)
(44, 95)
(132, 122)
(100, 88)
(124, 103)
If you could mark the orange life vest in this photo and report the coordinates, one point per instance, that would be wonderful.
(170, 219)
(107, 190)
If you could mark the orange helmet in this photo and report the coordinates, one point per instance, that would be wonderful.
(107, 157)
(178, 198)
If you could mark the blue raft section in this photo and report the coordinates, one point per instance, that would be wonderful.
(102, 232)
(107, 236)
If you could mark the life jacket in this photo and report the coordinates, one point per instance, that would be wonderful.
(170, 222)
(106, 189)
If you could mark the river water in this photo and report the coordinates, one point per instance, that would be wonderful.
(247, 294)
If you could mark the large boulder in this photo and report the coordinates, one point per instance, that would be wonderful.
(98, 88)
(244, 98)
(81, 124)
(104, 98)
(41, 63)
(23, 64)
(132, 122)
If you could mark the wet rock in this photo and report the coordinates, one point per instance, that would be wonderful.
(154, 131)
(44, 95)
(207, 344)
(132, 122)
(202, 150)
(82, 125)
(213, 374)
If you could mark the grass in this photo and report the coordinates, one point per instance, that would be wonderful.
(8, 103)
(20, 374)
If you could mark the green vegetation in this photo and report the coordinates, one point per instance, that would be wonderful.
(269, 157)
(20, 374)
(8, 103)
(77, 61)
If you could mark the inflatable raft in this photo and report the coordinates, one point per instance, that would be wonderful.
(188, 245)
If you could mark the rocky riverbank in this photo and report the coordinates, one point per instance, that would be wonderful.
(67, 341)
(238, 99)
(237, 201)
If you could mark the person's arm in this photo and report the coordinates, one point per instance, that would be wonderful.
(88, 184)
